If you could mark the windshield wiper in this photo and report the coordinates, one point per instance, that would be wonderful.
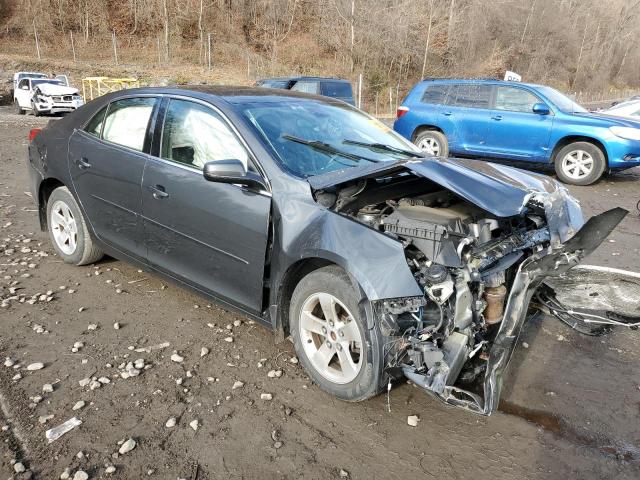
(385, 148)
(326, 148)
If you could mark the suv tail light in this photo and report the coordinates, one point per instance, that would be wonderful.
(401, 111)
(33, 133)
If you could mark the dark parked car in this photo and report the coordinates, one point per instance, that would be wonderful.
(326, 86)
(318, 221)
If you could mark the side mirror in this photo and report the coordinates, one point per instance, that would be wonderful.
(541, 109)
(232, 171)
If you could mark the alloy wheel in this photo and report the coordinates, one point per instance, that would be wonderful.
(331, 338)
(429, 145)
(64, 227)
(577, 164)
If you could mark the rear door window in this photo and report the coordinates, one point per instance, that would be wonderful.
(127, 121)
(337, 89)
(436, 94)
(515, 100)
(306, 87)
(470, 95)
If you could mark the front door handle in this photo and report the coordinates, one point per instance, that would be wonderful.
(158, 192)
(497, 117)
(83, 163)
(446, 114)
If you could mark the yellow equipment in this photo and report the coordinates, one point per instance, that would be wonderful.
(93, 87)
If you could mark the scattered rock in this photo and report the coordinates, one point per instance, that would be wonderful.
(171, 422)
(81, 475)
(66, 475)
(293, 360)
(18, 467)
(266, 396)
(110, 469)
(194, 424)
(525, 344)
(412, 420)
(177, 358)
(80, 404)
(35, 366)
(204, 351)
(228, 339)
(84, 382)
(92, 326)
(116, 326)
(127, 446)
(47, 388)
(344, 473)
(274, 373)
(237, 384)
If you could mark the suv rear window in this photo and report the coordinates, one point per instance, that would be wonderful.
(436, 94)
(337, 89)
(470, 95)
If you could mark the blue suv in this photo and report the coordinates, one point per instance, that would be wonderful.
(517, 122)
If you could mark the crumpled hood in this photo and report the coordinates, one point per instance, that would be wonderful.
(498, 189)
(53, 89)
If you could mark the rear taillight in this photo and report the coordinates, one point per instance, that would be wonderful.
(401, 111)
(33, 133)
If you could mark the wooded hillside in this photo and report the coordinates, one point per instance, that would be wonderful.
(572, 44)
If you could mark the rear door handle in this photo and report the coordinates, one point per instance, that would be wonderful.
(158, 192)
(497, 117)
(83, 163)
(446, 114)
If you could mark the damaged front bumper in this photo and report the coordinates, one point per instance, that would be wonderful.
(530, 274)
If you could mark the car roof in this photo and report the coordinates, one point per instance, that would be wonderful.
(488, 81)
(331, 79)
(230, 94)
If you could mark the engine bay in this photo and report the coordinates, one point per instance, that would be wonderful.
(464, 260)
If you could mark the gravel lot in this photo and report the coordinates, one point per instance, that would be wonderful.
(570, 409)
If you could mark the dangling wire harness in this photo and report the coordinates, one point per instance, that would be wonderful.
(594, 323)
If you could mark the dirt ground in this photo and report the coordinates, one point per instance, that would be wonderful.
(570, 409)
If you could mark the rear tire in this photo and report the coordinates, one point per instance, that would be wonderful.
(17, 108)
(346, 359)
(432, 142)
(580, 163)
(68, 230)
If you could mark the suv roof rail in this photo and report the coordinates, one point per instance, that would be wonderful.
(431, 79)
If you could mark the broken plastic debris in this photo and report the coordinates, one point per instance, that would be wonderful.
(56, 432)
(152, 347)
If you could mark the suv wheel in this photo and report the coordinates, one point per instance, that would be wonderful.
(580, 163)
(331, 337)
(432, 142)
(68, 230)
(17, 108)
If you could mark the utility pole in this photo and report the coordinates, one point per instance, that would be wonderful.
(35, 34)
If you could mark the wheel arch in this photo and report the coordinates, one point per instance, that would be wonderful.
(564, 141)
(293, 275)
(425, 127)
(47, 186)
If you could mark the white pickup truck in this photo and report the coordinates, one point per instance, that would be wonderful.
(45, 95)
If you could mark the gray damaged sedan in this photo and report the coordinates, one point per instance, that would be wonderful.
(318, 221)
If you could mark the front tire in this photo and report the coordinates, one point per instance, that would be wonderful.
(68, 230)
(580, 163)
(340, 354)
(17, 108)
(432, 142)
